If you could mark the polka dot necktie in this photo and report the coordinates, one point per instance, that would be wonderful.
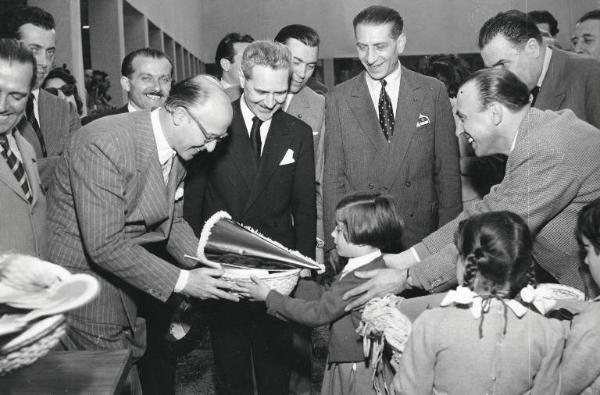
(386, 113)
(15, 166)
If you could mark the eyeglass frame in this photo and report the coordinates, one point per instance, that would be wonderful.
(207, 138)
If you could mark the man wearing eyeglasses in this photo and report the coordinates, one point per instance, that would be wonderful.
(263, 174)
(116, 194)
(146, 76)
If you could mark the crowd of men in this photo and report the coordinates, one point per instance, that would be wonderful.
(125, 198)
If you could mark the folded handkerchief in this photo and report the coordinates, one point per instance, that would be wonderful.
(179, 193)
(422, 120)
(287, 158)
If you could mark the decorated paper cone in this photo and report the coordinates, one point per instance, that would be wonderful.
(222, 235)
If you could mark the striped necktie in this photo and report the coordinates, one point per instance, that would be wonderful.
(386, 113)
(15, 166)
(30, 115)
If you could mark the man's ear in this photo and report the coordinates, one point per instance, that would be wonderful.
(401, 42)
(225, 64)
(497, 113)
(242, 79)
(125, 85)
(178, 116)
(532, 48)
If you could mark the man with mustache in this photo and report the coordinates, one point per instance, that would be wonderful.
(146, 76)
(51, 119)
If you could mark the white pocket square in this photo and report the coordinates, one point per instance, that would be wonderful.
(179, 193)
(287, 158)
(423, 120)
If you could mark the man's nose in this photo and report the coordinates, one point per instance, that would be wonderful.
(210, 147)
(371, 56)
(578, 47)
(301, 71)
(270, 100)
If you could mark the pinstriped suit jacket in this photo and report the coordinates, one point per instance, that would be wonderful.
(551, 174)
(107, 200)
(22, 225)
(419, 168)
(58, 119)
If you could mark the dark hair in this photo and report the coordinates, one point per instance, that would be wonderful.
(543, 16)
(193, 91)
(514, 25)
(13, 51)
(70, 87)
(594, 14)
(500, 86)
(498, 246)
(588, 224)
(380, 15)
(225, 49)
(370, 219)
(450, 69)
(305, 34)
(34, 15)
(127, 64)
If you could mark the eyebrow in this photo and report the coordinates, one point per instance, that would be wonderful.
(460, 114)
(499, 62)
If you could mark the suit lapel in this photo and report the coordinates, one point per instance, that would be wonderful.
(410, 99)
(361, 105)
(28, 160)
(553, 91)
(7, 177)
(278, 141)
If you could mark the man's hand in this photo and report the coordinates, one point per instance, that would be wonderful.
(401, 261)
(382, 282)
(204, 283)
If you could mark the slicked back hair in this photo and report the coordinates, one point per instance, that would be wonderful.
(594, 14)
(265, 53)
(305, 34)
(226, 50)
(543, 16)
(380, 15)
(127, 64)
(34, 15)
(500, 86)
(514, 25)
(12, 50)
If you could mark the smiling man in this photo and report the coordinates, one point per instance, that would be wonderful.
(551, 173)
(263, 175)
(117, 193)
(586, 36)
(391, 130)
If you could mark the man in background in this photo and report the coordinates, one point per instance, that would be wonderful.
(51, 119)
(23, 214)
(228, 59)
(146, 76)
(586, 36)
(547, 24)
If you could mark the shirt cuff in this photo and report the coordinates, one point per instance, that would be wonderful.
(415, 254)
(182, 281)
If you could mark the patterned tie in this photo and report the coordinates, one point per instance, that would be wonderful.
(30, 114)
(386, 113)
(534, 93)
(255, 137)
(15, 166)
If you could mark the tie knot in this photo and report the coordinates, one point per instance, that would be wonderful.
(256, 121)
(4, 141)
(383, 83)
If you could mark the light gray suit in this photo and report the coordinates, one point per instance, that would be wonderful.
(107, 201)
(57, 119)
(419, 168)
(22, 225)
(551, 174)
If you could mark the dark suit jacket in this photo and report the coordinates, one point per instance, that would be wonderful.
(89, 118)
(58, 119)
(419, 168)
(345, 345)
(572, 82)
(107, 201)
(551, 174)
(22, 225)
(277, 200)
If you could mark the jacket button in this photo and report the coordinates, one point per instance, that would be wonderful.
(407, 183)
(371, 185)
(299, 115)
(411, 214)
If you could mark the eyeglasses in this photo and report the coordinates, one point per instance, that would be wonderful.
(66, 89)
(207, 137)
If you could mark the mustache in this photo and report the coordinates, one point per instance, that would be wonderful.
(154, 92)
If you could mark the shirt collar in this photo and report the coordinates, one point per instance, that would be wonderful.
(545, 66)
(465, 297)
(355, 263)
(392, 87)
(131, 108)
(165, 152)
(391, 78)
(226, 84)
(248, 115)
(288, 100)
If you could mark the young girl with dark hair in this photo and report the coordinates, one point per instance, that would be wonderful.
(482, 340)
(367, 225)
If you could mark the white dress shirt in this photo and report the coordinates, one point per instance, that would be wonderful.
(392, 88)
(355, 263)
(248, 115)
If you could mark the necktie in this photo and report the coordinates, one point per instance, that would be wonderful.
(255, 137)
(534, 93)
(15, 166)
(30, 114)
(386, 113)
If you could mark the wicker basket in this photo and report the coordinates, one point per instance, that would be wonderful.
(31, 344)
(283, 282)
